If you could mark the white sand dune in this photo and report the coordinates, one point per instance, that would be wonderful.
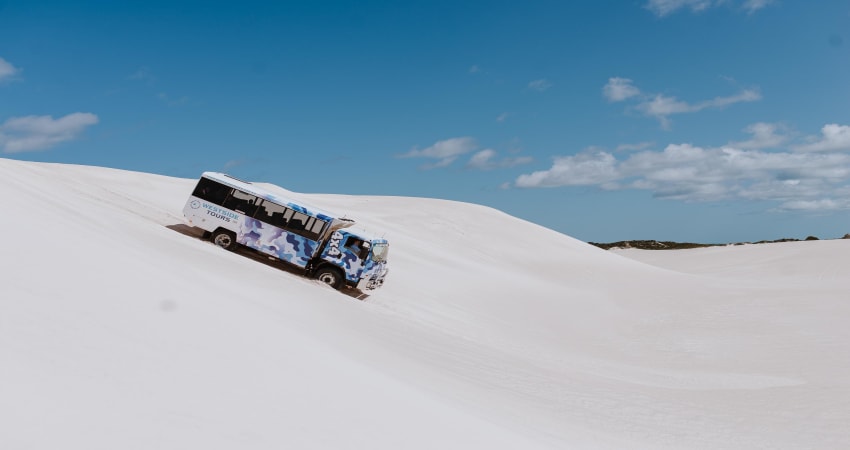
(120, 329)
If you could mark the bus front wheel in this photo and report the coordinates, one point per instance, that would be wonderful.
(224, 239)
(330, 276)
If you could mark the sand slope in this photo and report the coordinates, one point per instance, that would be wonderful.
(122, 329)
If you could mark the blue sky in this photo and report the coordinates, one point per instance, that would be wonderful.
(690, 120)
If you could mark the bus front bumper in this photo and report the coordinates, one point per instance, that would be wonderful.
(372, 282)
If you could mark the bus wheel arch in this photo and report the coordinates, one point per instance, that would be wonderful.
(330, 275)
(224, 238)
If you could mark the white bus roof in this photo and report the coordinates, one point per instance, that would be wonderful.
(285, 201)
(270, 196)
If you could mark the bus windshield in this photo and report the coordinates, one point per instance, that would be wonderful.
(379, 252)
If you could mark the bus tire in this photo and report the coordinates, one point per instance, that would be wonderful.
(330, 275)
(224, 239)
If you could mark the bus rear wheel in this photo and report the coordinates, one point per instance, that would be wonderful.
(224, 239)
(330, 276)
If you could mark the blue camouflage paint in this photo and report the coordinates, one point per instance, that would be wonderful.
(289, 247)
(342, 256)
(373, 267)
(347, 259)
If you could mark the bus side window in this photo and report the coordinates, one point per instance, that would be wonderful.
(296, 223)
(272, 214)
(283, 222)
(356, 246)
(313, 228)
(251, 208)
(211, 191)
(318, 227)
(241, 202)
(309, 224)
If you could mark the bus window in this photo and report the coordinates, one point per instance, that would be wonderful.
(241, 202)
(271, 213)
(379, 252)
(296, 223)
(318, 227)
(313, 228)
(211, 191)
(356, 246)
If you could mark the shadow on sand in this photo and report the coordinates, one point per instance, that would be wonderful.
(262, 258)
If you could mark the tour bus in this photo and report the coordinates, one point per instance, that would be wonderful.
(234, 212)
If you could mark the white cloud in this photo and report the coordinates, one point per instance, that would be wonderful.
(747, 95)
(833, 137)
(7, 70)
(445, 152)
(143, 74)
(172, 101)
(826, 204)
(586, 168)
(540, 85)
(502, 117)
(482, 158)
(661, 106)
(234, 163)
(474, 69)
(662, 8)
(619, 89)
(515, 161)
(634, 147)
(31, 133)
(800, 181)
(765, 135)
(486, 160)
(792, 194)
(752, 6)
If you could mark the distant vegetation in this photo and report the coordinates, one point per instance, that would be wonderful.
(669, 245)
(650, 245)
